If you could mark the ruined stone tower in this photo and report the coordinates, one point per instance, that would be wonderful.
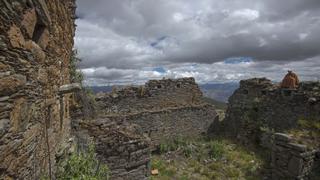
(36, 40)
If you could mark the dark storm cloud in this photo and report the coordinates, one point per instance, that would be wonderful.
(128, 35)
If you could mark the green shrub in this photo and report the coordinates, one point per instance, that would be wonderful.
(170, 145)
(179, 143)
(187, 150)
(165, 170)
(83, 166)
(216, 149)
(76, 76)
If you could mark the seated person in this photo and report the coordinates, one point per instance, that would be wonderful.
(290, 81)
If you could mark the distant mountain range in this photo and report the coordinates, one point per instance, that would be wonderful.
(219, 92)
(104, 89)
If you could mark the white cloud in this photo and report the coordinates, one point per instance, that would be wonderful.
(248, 14)
(122, 41)
(178, 17)
(303, 36)
(262, 42)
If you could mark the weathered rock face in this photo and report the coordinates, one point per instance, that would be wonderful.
(36, 39)
(260, 104)
(163, 109)
(119, 145)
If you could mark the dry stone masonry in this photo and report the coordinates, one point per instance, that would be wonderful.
(162, 109)
(36, 40)
(290, 160)
(153, 96)
(119, 145)
(132, 121)
(259, 108)
(190, 121)
(259, 103)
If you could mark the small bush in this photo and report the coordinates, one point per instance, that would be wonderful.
(210, 159)
(165, 170)
(83, 166)
(216, 149)
(188, 150)
(170, 145)
(186, 147)
(309, 124)
(76, 76)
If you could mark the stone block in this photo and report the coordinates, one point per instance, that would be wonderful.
(16, 38)
(42, 76)
(282, 137)
(69, 88)
(4, 67)
(4, 124)
(11, 84)
(36, 50)
(295, 166)
(4, 98)
(29, 21)
(298, 147)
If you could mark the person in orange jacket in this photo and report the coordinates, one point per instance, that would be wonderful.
(290, 81)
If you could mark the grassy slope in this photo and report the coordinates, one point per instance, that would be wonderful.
(205, 159)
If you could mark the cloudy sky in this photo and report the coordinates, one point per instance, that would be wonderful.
(131, 41)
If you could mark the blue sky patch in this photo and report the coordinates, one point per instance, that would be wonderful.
(238, 60)
(159, 70)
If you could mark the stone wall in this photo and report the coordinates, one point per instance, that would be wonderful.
(154, 95)
(258, 108)
(162, 109)
(191, 121)
(290, 160)
(36, 40)
(119, 145)
(259, 103)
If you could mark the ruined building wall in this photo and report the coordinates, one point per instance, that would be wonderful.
(259, 108)
(259, 103)
(120, 145)
(290, 160)
(162, 109)
(191, 121)
(154, 95)
(36, 40)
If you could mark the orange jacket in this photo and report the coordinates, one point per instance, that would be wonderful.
(291, 81)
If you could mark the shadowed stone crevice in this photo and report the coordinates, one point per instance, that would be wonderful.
(38, 32)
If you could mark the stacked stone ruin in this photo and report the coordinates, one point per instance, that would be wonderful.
(259, 107)
(133, 121)
(36, 40)
(155, 95)
(290, 160)
(120, 145)
(163, 109)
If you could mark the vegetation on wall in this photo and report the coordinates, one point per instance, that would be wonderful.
(76, 76)
(83, 166)
(85, 98)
